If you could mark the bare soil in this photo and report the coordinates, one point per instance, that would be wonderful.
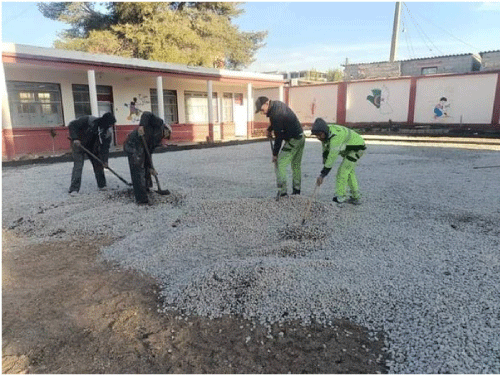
(63, 311)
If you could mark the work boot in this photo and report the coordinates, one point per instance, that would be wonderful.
(354, 201)
(280, 195)
(340, 201)
(296, 192)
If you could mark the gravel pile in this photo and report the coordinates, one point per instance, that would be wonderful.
(419, 259)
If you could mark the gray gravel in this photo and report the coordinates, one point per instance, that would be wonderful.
(419, 259)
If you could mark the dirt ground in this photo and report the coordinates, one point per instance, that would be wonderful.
(65, 312)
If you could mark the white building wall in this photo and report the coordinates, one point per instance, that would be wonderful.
(311, 102)
(125, 87)
(378, 101)
(469, 99)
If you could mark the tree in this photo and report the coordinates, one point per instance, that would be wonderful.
(192, 33)
(333, 75)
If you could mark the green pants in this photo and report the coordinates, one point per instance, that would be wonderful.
(346, 176)
(291, 153)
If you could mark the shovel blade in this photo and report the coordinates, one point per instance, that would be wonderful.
(163, 192)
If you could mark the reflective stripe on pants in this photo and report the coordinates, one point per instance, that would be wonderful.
(291, 153)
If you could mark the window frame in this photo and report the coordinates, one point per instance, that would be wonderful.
(425, 70)
(39, 108)
(103, 96)
(174, 107)
(204, 95)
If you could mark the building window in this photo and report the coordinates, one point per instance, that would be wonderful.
(35, 104)
(197, 107)
(429, 70)
(227, 108)
(169, 105)
(81, 99)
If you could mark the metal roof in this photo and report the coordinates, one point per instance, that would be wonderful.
(44, 53)
(419, 58)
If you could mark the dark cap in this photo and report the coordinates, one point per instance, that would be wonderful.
(259, 102)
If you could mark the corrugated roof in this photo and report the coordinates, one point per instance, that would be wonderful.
(419, 58)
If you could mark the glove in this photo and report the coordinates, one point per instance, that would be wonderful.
(140, 130)
(77, 143)
(152, 171)
(319, 180)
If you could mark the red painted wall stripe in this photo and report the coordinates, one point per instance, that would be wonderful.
(341, 103)
(411, 103)
(495, 118)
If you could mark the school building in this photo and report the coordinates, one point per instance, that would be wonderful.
(43, 89)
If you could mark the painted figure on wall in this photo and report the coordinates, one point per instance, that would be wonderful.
(134, 110)
(441, 109)
(380, 99)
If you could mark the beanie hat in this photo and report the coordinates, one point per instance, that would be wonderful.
(320, 126)
(107, 120)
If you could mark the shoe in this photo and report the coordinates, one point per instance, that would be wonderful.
(280, 195)
(103, 188)
(296, 192)
(340, 201)
(354, 201)
(72, 191)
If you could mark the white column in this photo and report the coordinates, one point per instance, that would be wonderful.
(6, 122)
(281, 93)
(159, 91)
(93, 93)
(250, 108)
(210, 104)
(210, 112)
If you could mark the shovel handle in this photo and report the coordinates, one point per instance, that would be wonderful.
(104, 165)
(308, 210)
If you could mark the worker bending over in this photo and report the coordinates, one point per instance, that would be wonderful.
(338, 140)
(286, 127)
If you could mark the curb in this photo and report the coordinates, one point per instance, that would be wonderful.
(67, 157)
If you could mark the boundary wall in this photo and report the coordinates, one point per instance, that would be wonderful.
(452, 101)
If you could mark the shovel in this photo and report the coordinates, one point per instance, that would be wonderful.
(308, 210)
(105, 166)
(160, 191)
(275, 164)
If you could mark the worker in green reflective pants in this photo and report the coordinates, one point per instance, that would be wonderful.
(287, 129)
(338, 140)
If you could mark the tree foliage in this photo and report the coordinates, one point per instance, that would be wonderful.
(334, 75)
(192, 33)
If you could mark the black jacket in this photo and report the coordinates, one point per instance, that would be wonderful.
(284, 124)
(85, 129)
(153, 134)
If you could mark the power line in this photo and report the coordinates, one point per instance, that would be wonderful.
(421, 30)
(447, 32)
(409, 46)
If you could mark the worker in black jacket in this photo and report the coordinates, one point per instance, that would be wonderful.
(153, 130)
(93, 133)
(287, 128)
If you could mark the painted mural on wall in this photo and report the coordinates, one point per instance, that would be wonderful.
(442, 110)
(380, 99)
(136, 106)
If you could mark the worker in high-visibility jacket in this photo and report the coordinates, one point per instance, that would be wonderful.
(338, 140)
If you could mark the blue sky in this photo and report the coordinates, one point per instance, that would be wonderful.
(321, 35)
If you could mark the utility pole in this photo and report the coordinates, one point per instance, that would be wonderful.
(395, 32)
